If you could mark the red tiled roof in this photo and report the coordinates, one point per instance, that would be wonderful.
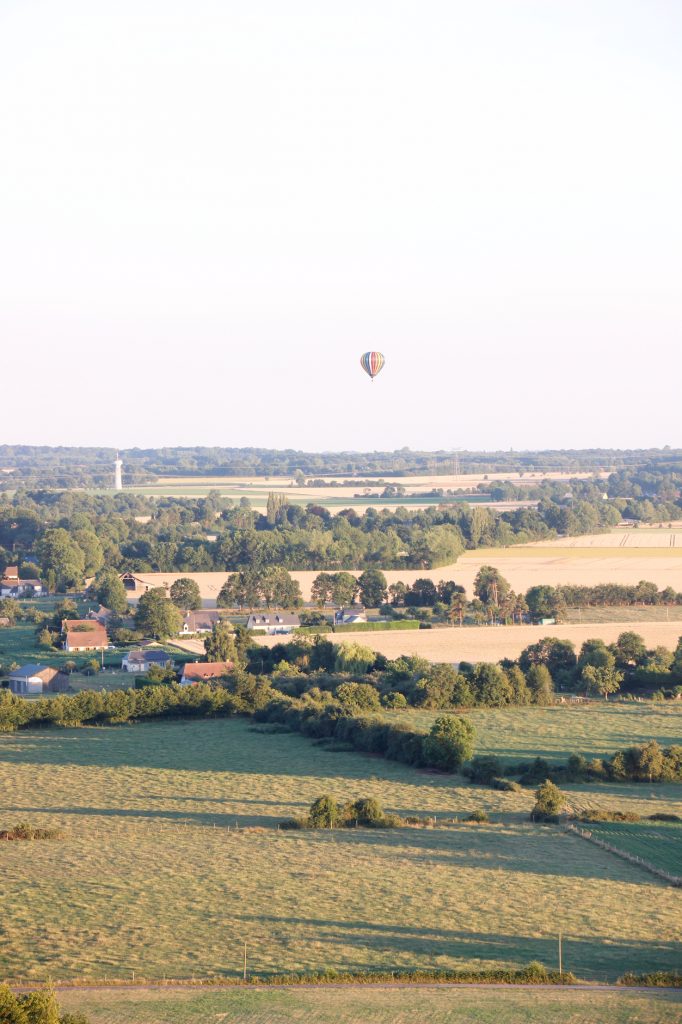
(206, 669)
(86, 638)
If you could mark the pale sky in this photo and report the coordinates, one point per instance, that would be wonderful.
(209, 210)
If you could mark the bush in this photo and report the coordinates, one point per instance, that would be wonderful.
(549, 801)
(396, 701)
(324, 813)
(483, 769)
(657, 979)
(34, 1008)
(449, 743)
(30, 832)
(478, 816)
(537, 771)
(598, 815)
(506, 785)
(365, 810)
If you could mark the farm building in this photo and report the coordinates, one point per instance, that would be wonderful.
(135, 585)
(273, 622)
(201, 621)
(12, 586)
(348, 616)
(209, 583)
(29, 679)
(204, 671)
(84, 635)
(142, 661)
(101, 615)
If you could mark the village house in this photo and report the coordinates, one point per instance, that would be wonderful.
(142, 661)
(201, 621)
(204, 671)
(36, 679)
(84, 635)
(349, 616)
(12, 586)
(273, 622)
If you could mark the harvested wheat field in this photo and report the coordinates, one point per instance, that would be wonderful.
(523, 566)
(491, 643)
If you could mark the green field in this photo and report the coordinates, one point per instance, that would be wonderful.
(258, 496)
(155, 877)
(520, 733)
(640, 613)
(378, 1006)
(658, 843)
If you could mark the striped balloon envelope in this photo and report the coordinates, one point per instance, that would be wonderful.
(372, 363)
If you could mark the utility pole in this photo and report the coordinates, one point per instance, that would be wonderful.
(561, 971)
(244, 961)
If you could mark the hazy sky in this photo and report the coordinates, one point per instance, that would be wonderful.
(209, 210)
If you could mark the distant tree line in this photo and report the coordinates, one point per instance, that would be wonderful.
(69, 536)
(36, 466)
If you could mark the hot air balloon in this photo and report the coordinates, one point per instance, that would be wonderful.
(372, 363)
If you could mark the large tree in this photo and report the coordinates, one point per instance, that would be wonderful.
(372, 584)
(601, 680)
(156, 615)
(185, 594)
(344, 588)
(221, 644)
(540, 685)
(110, 592)
(61, 559)
(490, 586)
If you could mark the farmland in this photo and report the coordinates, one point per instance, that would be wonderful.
(380, 1006)
(339, 493)
(491, 643)
(172, 859)
(658, 843)
(516, 734)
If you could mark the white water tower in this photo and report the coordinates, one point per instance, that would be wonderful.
(118, 479)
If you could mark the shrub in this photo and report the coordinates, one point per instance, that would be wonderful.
(599, 815)
(537, 771)
(656, 979)
(479, 817)
(483, 769)
(449, 743)
(25, 831)
(396, 701)
(324, 812)
(506, 785)
(366, 811)
(549, 801)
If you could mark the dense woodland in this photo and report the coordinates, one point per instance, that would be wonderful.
(68, 536)
(33, 466)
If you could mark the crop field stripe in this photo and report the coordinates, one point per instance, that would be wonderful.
(657, 848)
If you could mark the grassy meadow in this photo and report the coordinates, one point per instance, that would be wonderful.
(377, 1006)
(172, 859)
(659, 843)
(593, 730)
